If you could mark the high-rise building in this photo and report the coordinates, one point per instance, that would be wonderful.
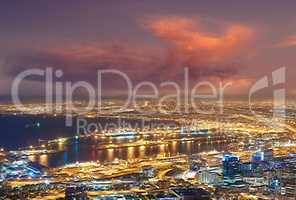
(260, 156)
(231, 166)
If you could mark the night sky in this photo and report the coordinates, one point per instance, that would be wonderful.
(149, 40)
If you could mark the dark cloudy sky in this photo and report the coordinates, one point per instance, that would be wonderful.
(149, 40)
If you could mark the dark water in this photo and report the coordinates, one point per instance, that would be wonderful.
(22, 131)
(82, 152)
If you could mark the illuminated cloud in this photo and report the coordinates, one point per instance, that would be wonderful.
(197, 48)
(287, 42)
(207, 54)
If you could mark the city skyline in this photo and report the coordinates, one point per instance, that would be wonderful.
(140, 100)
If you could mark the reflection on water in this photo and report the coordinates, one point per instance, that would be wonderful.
(43, 159)
(32, 158)
(142, 150)
(83, 151)
(130, 153)
(60, 146)
(174, 147)
(88, 151)
(110, 154)
(65, 157)
(162, 150)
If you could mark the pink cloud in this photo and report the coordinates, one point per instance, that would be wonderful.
(286, 42)
(198, 48)
(207, 54)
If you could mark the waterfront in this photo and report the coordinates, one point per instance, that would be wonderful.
(25, 133)
(147, 100)
(87, 151)
(144, 156)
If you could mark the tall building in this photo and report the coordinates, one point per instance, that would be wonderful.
(231, 166)
(209, 177)
(260, 156)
